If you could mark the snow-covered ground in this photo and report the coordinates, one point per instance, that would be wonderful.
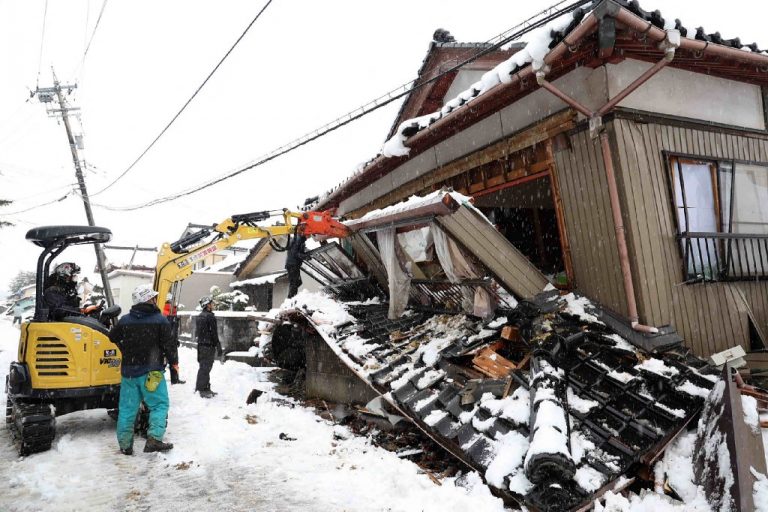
(227, 456)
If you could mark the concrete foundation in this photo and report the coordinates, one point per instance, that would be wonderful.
(329, 379)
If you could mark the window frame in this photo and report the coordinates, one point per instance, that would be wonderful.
(672, 160)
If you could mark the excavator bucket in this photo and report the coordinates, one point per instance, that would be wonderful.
(322, 223)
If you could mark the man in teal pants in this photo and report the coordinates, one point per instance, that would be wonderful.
(145, 340)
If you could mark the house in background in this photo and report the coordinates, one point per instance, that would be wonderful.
(218, 270)
(262, 276)
(624, 154)
(127, 268)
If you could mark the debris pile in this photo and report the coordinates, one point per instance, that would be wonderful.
(546, 401)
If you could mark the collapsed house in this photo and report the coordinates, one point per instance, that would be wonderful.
(597, 163)
(623, 152)
(554, 399)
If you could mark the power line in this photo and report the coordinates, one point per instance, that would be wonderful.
(88, 46)
(369, 107)
(42, 40)
(2, 213)
(188, 101)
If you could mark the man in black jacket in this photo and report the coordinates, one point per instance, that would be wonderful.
(60, 295)
(293, 261)
(208, 346)
(145, 341)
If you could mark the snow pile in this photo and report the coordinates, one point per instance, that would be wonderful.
(510, 450)
(589, 478)
(760, 491)
(621, 376)
(677, 465)
(326, 313)
(516, 407)
(578, 307)
(534, 52)
(749, 406)
(620, 343)
(692, 389)
(658, 367)
(222, 447)
(579, 404)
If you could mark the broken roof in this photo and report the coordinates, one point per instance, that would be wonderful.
(554, 430)
(566, 42)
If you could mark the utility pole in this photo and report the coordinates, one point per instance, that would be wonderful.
(46, 95)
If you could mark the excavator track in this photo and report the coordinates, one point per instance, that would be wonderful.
(32, 425)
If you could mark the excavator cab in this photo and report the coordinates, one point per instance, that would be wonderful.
(62, 366)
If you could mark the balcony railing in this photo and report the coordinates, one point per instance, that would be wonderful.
(443, 295)
(724, 256)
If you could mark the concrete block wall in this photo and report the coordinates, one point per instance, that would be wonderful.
(329, 379)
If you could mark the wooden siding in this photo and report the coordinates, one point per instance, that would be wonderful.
(710, 316)
(580, 173)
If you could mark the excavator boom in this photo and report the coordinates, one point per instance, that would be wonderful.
(175, 261)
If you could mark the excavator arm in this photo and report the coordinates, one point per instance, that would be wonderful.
(175, 261)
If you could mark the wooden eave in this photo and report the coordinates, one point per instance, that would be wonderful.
(578, 48)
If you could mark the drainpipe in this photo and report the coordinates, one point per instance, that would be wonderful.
(669, 44)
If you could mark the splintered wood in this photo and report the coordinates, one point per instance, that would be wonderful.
(492, 364)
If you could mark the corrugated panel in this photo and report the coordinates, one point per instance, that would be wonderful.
(589, 225)
(508, 265)
(710, 316)
(370, 255)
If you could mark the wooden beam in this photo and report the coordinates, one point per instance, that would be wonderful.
(557, 123)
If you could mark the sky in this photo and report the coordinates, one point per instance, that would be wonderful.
(302, 64)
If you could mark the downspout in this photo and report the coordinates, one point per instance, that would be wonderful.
(669, 44)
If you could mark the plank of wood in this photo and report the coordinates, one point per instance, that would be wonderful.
(492, 364)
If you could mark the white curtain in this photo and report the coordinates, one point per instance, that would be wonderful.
(457, 266)
(398, 279)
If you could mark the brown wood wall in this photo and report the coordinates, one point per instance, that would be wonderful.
(710, 316)
(589, 225)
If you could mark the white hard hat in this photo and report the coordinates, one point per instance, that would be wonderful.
(143, 293)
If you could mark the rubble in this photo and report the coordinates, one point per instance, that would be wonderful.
(555, 401)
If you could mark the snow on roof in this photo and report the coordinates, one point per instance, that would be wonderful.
(259, 280)
(534, 51)
(122, 258)
(493, 430)
(538, 45)
(228, 261)
(412, 203)
(125, 272)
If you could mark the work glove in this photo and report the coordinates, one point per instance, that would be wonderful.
(219, 350)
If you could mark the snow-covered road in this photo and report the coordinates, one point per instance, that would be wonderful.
(227, 456)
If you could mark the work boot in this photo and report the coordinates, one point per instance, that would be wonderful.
(127, 451)
(153, 445)
(179, 381)
(207, 394)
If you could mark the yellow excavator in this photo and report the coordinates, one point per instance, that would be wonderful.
(70, 365)
(62, 366)
(175, 261)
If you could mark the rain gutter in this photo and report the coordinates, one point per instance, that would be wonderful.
(424, 138)
(669, 43)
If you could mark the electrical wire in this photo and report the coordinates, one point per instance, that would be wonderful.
(42, 40)
(258, 15)
(88, 46)
(4, 214)
(404, 90)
